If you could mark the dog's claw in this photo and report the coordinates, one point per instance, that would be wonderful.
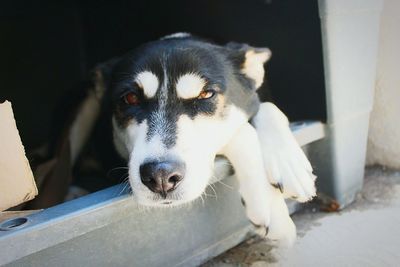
(278, 186)
(261, 231)
(243, 202)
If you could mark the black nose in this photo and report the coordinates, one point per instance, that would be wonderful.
(162, 177)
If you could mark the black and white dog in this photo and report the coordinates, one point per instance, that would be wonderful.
(178, 102)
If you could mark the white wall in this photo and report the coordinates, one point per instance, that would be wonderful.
(384, 133)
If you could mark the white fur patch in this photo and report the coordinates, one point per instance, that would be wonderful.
(189, 85)
(176, 35)
(148, 81)
(254, 65)
(265, 205)
(284, 160)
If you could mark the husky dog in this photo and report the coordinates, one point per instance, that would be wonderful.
(179, 102)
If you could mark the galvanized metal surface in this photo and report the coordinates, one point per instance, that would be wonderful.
(307, 132)
(108, 228)
(117, 232)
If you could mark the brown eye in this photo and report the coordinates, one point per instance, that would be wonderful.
(206, 94)
(131, 99)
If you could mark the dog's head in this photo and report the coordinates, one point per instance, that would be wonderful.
(176, 103)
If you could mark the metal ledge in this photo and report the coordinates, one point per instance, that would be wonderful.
(307, 132)
(78, 232)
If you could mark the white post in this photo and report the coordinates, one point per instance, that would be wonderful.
(350, 35)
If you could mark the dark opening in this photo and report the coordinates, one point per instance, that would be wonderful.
(48, 47)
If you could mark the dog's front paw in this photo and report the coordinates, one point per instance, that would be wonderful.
(287, 166)
(281, 228)
(289, 170)
(272, 220)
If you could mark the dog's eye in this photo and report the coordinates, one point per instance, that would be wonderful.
(206, 94)
(131, 99)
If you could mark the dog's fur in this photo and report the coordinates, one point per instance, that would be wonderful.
(194, 100)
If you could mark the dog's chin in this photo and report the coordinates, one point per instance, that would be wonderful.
(165, 203)
(155, 201)
(151, 199)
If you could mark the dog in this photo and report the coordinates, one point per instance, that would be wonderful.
(179, 102)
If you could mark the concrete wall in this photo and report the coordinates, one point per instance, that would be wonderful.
(384, 132)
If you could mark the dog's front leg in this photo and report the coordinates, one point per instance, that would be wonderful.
(265, 206)
(286, 164)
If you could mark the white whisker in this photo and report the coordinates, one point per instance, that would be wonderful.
(213, 189)
(224, 184)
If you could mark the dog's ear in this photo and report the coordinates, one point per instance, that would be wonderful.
(250, 60)
(102, 75)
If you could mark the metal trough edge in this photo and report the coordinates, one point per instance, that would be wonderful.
(74, 219)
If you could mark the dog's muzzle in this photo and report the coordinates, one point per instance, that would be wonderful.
(162, 177)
